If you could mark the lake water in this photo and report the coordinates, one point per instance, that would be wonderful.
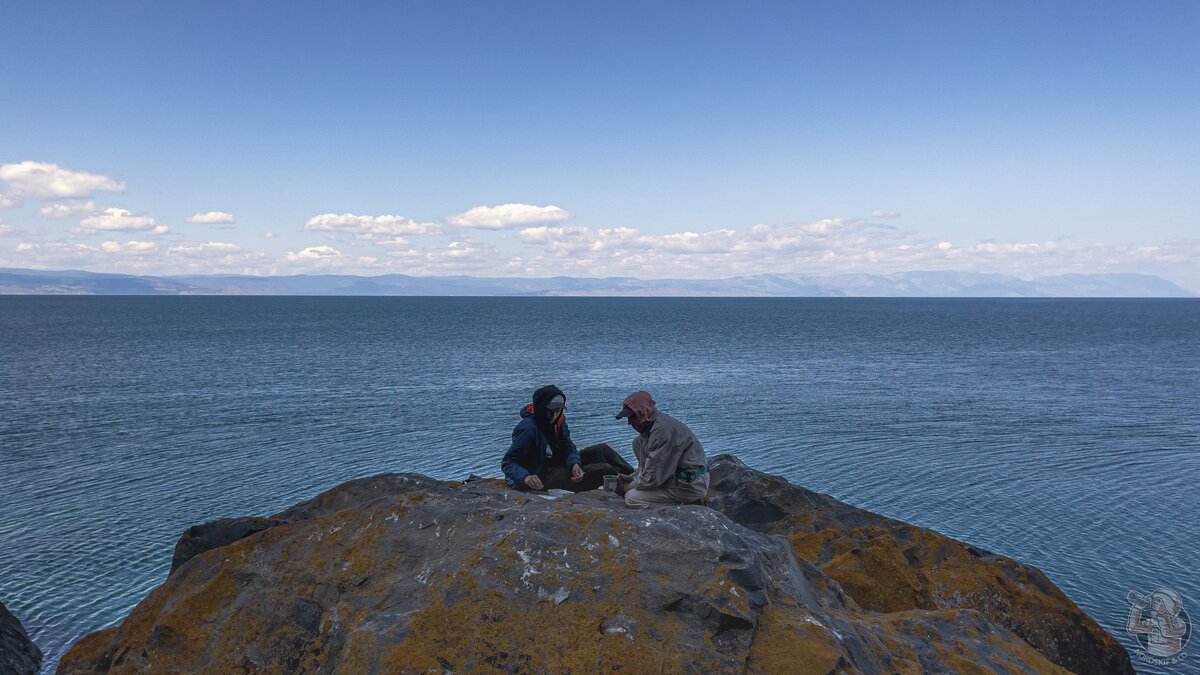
(1063, 433)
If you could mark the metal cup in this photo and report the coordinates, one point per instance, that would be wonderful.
(610, 483)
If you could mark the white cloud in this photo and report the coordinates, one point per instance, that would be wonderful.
(6, 229)
(209, 257)
(456, 250)
(268, 235)
(43, 180)
(60, 211)
(129, 247)
(750, 243)
(462, 256)
(139, 257)
(6, 203)
(885, 214)
(119, 220)
(398, 247)
(545, 235)
(313, 253)
(507, 216)
(370, 227)
(211, 218)
(328, 260)
(831, 246)
(55, 255)
(376, 244)
(204, 248)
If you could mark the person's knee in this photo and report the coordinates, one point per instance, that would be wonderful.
(599, 468)
(645, 498)
(635, 503)
(595, 453)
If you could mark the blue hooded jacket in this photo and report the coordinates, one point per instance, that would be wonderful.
(527, 453)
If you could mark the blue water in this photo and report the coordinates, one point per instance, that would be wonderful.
(1064, 433)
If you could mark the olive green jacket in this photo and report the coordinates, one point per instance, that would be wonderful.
(668, 449)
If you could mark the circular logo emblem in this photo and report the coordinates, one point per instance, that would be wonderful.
(1160, 624)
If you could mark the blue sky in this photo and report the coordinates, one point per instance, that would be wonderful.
(693, 139)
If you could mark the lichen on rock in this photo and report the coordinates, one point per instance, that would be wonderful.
(403, 573)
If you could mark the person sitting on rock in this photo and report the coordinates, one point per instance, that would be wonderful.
(542, 455)
(672, 468)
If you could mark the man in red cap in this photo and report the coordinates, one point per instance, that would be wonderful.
(672, 468)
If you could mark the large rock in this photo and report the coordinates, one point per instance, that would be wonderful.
(18, 654)
(889, 566)
(402, 573)
(200, 538)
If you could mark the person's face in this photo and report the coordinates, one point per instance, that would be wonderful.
(552, 414)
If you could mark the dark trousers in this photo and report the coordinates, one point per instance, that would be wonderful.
(597, 461)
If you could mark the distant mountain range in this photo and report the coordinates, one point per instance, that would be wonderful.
(901, 284)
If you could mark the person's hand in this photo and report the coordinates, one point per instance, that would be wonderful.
(533, 482)
(576, 473)
(624, 480)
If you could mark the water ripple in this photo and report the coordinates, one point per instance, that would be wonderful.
(1063, 433)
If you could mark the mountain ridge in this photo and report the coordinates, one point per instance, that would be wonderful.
(898, 284)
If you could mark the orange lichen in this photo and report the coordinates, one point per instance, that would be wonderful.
(876, 574)
(367, 589)
(489, 631)
(93, 653)
(784, 643)
(809, 545)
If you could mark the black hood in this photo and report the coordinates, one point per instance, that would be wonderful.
(540, 398)
(543, 396)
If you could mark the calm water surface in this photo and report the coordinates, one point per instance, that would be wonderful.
(1064, 433)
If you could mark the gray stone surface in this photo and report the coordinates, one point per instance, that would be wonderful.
(401, 572)
(200, 538)
(18, 654)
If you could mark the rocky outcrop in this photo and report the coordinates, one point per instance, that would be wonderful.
(200, 538)
(403, 573)
(18, 654)
(889, 566)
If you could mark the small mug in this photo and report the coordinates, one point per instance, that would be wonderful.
(610, 483)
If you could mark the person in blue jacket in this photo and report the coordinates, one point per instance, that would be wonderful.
(542, 455)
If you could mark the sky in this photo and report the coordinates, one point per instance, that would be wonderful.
(648, 139)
